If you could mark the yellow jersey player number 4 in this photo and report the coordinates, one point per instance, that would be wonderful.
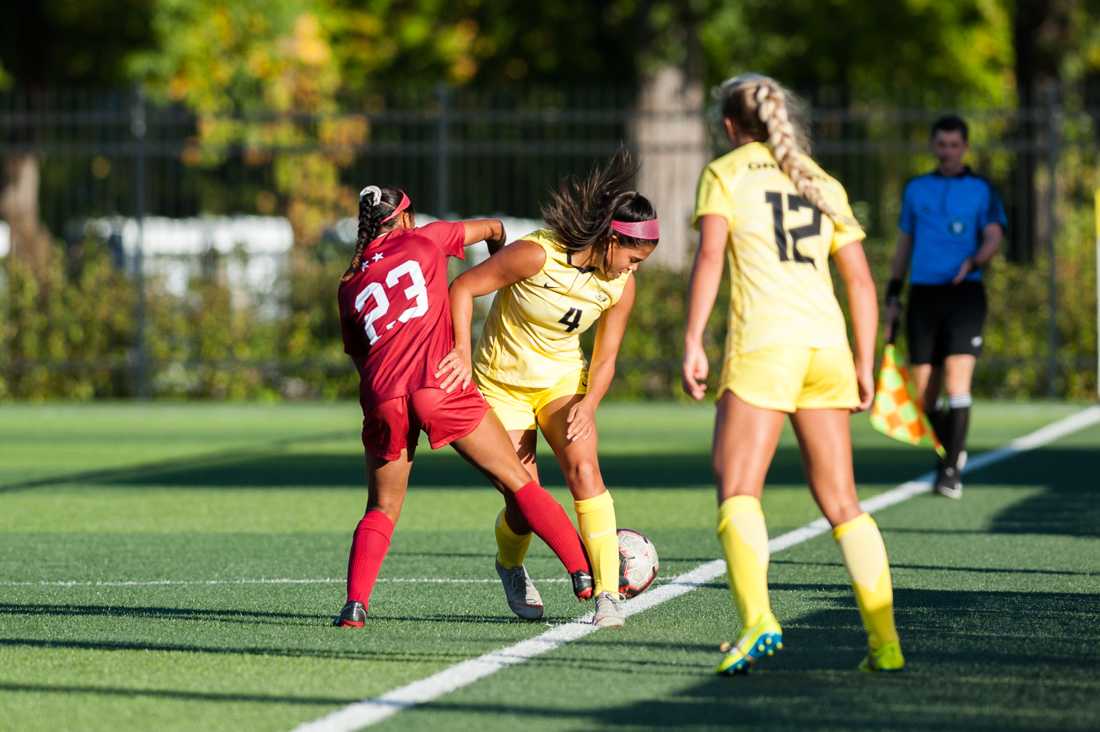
(551, 286)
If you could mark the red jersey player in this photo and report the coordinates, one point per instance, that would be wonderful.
(396, 321)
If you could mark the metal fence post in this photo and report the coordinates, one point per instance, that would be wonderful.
(1054, 130)
(443, 94)
(140, 356)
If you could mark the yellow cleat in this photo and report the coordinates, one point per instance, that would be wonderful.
(887, 658)
(762, 639)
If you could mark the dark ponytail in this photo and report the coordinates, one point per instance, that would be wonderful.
(375, 204)
(581, 210)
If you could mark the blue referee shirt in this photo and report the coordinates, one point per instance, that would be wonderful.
(945, 215)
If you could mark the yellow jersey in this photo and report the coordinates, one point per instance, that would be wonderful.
(778, 248)
(532, 335)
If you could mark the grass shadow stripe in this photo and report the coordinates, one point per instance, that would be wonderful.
(200, 459)
(171, 694)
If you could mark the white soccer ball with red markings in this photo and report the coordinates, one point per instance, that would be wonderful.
(638, 563)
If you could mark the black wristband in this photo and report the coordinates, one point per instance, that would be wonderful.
(975, 265)
(893, 289)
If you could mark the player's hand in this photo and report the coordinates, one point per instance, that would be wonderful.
(455, 369)
(865, 379)
(495, 245)
(581, 421)
(695, 370)
(964, 269)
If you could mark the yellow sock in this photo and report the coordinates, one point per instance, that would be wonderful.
(511, 547)
(744, 537)
(596, 519)
(865, 557)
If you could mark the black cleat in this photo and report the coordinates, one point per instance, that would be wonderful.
(583, 586)
(354, 615)
(948, 483)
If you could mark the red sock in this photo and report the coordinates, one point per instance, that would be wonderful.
(548, 520)
(368, 549)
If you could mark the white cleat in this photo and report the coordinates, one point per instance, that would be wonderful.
(609, 611)
(520, 592)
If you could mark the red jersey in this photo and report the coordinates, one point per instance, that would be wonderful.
(395, 312)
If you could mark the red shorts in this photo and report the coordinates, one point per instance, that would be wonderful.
(395, 424)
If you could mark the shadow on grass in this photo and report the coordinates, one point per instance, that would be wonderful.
(966, 672)
(250, 617)
(176, 694)
(944, 568)
(977, 660)
(275, 468)
(1070, 505)
(129, 473)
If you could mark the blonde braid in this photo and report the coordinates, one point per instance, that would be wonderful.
(771, 108)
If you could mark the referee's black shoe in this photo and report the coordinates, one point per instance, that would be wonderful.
(948, 483)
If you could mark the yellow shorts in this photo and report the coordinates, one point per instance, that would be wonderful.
(518, 406)
(789, 378)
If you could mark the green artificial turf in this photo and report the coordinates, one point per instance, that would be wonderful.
(177, 566)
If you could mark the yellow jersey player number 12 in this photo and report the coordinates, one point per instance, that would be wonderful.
(779, 219)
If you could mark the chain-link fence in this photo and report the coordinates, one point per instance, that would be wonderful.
(143, 184)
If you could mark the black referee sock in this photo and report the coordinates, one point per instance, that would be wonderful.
(958, 422)
(938, 418)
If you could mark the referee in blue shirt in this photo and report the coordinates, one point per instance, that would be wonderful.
(952, 223)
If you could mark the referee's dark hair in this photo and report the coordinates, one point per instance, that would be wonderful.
(951, 123)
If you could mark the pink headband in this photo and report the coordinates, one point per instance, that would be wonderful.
(649, 230)
(401, 206)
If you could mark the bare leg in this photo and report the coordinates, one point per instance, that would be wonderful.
(745, 438)
(387, 484)
(928, 380)
(591, 501)
(578, 459)
(825, 439)
(959, 372)
(823, 435)
(490, 451)
(523, 442)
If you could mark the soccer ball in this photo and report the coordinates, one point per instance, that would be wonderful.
(638, 563)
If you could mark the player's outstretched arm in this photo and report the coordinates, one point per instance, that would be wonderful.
(609, 338)
(490, 231)
(521, 260)
(706, 274)
(851, 263)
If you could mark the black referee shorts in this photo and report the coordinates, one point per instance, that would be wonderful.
(944, 320)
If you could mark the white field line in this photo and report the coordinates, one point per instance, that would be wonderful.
(370, 711)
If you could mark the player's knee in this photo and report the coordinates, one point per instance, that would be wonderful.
(389, 505)
(582, 474)
(841, 510)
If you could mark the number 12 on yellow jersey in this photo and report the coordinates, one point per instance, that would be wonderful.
(794, 203)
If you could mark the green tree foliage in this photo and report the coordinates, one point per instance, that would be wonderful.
(910, 52)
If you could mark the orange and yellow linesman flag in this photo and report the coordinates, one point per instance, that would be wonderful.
(896, 412)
